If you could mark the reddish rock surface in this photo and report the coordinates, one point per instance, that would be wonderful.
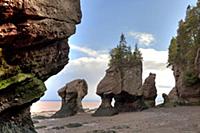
(33, 46)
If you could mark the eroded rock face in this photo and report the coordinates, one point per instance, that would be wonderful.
(33, 47)
(106, 109)
(111, 83)
(72, 95)
(183, 94)
(109, 86)
(123, 84)
(149, 90)
(184, 58)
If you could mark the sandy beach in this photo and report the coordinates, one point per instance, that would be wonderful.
(155, 120)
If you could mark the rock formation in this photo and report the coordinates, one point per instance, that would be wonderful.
(126, 89)
(129, 96)
(149, 90)
(106, 89)
(184, 58)
(182, 93)
(33, 47)
(72, 95)
(123, 82)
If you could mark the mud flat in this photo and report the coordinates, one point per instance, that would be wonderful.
(155, 120)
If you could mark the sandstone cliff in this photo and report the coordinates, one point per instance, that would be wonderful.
(184, 59)
(33, 47)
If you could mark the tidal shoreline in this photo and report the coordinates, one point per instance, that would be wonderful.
(155, 120)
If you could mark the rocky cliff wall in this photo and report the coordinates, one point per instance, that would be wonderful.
(33, 46)
(184, 58)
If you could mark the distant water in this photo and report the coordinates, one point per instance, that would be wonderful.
(42, 106)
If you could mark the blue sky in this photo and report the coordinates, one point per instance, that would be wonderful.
(151, 23)
(104, 20)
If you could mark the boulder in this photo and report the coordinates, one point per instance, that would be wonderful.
(33, 46)
(72, 94)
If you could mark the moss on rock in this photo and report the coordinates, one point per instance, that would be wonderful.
(13, 80)
(32, 89)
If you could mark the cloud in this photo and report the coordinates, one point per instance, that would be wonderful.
(154, 60)
(153, 65)
(84, 50)
(92, 68)
(143, 38)
(87, 51)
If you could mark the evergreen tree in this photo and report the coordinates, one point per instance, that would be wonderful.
(173, 51)
(183, 48)
(122, 41)
(137, 54)
(187, 40)
(122, 54)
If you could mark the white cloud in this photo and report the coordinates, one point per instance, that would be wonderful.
(93, 68)
(87, 51)
(156, 62)
(143, 38)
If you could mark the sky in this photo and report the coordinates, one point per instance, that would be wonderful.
(150, 23)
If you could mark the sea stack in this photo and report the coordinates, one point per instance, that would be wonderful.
(122, 82)
(149, 90)
(72, 94)
(33, 46)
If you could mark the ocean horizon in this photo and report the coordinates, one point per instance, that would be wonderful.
(54, 105)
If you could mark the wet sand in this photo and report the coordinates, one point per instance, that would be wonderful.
(49, 106)
(157, 120)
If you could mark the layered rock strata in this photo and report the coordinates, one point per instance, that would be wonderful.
(33, 47)
(123, 85)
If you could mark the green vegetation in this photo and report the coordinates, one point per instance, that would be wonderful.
(183, 48)
(122, 54)
(31, 89)
(173, 51)
(11, 77)
(7, 71)
(13, 80)
(190, 78)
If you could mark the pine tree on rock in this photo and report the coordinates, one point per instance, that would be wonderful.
(122, 54)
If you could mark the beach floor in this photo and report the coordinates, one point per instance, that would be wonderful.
(156, 120)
